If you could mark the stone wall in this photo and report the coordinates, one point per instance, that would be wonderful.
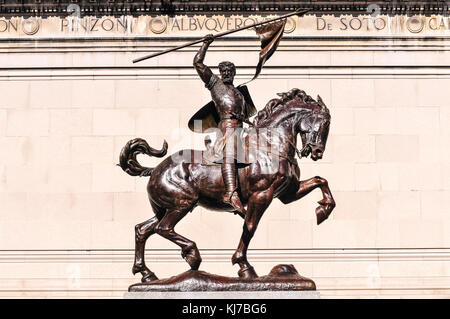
(70, 101)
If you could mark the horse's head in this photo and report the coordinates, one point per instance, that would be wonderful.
(313, 128)
(298, 113)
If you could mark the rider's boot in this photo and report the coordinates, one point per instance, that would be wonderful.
(231, 196)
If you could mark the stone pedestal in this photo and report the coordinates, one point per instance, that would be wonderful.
(312, 294)
(283, 282)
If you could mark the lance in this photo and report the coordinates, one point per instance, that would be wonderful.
(297, 12)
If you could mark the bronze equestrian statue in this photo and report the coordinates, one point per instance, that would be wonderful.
(181, 181)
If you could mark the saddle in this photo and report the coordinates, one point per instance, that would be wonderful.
(213, 155)
(248, 146)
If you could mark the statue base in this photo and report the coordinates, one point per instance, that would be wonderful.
(299, 294)
(282, 278)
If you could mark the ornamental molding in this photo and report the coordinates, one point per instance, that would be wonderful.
(79, 8)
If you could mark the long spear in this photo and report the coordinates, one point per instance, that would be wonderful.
(296, 12)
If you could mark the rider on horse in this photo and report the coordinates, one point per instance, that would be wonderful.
(230, 105)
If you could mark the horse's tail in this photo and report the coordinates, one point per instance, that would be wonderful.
(128, 160)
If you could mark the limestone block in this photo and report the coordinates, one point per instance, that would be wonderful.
(26, 178)
(136, 93)
(165, 121)
(2, 178)
(108, 122)
(2, 122)
(367, 177)
(433, 149)
(430, 92)
(404, 205)
(114, 235)
(61, 235)
(421, 120)
(13, 206)
(218, 230)
(353, 93)
(354, 149)
(355, 206)
(279, 211)
(289, 234)
(397, 148)
(388, 233)
(396, 92)
(189, 94)
(28, 123)
(92, 149)
(46, 206)
(71, 122)
(340, 176)
(93, 94)
(111, 178)
(427, 233)
(351, 58)
(47, 150)
(93, 59)
(446, 231)
(342, 121)
(420, 176)
(344, 233)
(446, 176)
(91, 206)
(265, 89)
(132, 206)
(435, 205)
(444, 116)
(302, 209)
(50, 94)
(312, 87)
(15, 94)
(18, 150)
(70, 178)
(388, 176)
(410, 58)
(376, 121)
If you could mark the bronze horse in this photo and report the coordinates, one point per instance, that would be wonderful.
(178, 184)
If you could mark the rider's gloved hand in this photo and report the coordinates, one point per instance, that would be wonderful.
(209, 38)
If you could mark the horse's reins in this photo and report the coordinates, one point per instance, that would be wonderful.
(297, 151)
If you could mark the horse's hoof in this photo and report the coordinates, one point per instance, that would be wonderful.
(321, 214)
(137, 269)
(150, 276)
(193, 259)
(247, 273)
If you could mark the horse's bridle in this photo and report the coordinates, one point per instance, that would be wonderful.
(297, 151)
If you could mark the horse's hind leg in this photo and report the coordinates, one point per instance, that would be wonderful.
(142, 231)
(165, 228)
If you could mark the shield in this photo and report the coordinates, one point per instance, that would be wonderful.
(210, 117)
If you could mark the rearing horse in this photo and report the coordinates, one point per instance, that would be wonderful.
(178, 184)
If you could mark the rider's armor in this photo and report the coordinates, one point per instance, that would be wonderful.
(230, 104)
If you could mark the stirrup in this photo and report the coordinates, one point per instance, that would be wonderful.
(228, 200)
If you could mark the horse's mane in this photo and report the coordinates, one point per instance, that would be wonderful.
(282, 102)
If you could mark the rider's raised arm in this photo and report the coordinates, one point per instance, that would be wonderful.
(203, 70)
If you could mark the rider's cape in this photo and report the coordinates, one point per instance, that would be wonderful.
(210, 118)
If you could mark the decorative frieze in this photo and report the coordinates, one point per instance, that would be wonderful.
(199, 25)
(46, 8)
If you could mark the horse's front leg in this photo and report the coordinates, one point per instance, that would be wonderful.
(326, 205)
(257, 204)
